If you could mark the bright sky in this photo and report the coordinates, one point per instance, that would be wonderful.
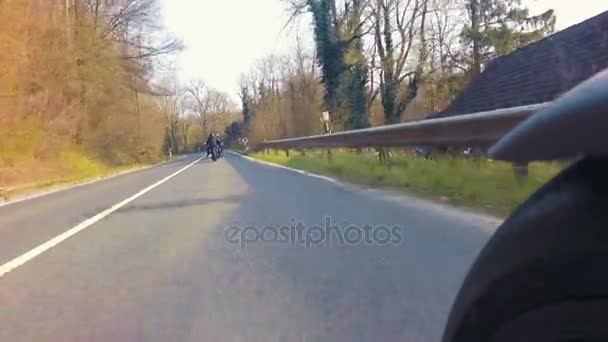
(224, 38)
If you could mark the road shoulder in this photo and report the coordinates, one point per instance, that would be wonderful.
(9, 196)
(476, 218)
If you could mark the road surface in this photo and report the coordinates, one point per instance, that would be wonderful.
(162, 268)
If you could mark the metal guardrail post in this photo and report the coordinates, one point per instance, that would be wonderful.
(477, 154)
(521, 172)
(383, 157)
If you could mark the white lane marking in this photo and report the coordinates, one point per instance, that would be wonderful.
(18, 261)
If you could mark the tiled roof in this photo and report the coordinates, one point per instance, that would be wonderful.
(538, 72)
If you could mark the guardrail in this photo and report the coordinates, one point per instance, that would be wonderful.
(478, 129)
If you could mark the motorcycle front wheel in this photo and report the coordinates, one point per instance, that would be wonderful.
(542, 276)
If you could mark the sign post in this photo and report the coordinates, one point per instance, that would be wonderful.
(327, 127)
(325, 120)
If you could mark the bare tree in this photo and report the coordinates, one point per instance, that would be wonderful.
(198, 102)
(205, 101)
(446, 22)
(282, 96)
(303, 92)
(397, 24)
(133, 24)
(174, 107)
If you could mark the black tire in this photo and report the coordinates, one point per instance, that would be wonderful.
(542, 276)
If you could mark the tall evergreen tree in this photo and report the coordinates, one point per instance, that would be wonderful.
(354, 81)
(354, 92)
(340, 55)
(330, 50)
(498, 27)
(247, 109)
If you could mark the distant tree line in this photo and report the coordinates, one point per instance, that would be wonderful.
(381, 62)
(372, 62)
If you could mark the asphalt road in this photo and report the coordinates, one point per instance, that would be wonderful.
(161, 268)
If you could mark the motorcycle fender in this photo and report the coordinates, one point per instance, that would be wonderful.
(574, 125)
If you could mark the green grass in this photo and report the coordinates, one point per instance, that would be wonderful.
(238, 150)
(83, 172)
(22, 173)
(31, 159)
(488, 185)
(19, 143)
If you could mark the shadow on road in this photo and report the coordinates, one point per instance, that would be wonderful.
(186, 159)
(180, 204)
(345, 292)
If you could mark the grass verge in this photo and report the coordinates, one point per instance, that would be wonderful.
(20, 190)
(489, 186)
(239, 150)
(32, 159)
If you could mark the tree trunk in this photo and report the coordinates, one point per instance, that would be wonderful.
(475, 27)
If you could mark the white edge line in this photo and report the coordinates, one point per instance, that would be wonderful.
(389, 195)
(20, 260)
(77, 185)
(314, 175)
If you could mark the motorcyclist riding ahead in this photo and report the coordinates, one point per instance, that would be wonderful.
(211, 143)
(220, 145)
(215, 146)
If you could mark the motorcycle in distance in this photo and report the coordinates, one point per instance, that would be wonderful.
(220, 148)
(216, 152)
